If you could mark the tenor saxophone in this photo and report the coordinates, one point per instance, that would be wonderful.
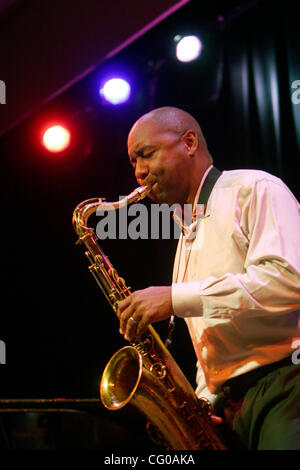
(144, 373)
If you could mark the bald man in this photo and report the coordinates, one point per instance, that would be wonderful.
(236, 278)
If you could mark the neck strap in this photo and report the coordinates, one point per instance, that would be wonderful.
(208, 185)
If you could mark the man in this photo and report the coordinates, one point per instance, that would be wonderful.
(236, 278)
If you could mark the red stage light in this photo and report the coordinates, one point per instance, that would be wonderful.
(56, 139)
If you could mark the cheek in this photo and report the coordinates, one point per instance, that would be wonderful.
(168, 168)
(174, 175)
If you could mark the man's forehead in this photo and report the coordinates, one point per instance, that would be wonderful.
(142, 137)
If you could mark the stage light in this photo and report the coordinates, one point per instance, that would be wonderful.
(56, 139)
(115, 90)
(188, 48)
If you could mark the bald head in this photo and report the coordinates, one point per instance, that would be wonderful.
(167, 150)
(171, 120)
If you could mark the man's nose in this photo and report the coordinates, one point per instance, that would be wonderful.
(141, 171)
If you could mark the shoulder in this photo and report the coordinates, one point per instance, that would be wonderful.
(246, 177)
(247, 183)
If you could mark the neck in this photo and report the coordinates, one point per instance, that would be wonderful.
(196, 180)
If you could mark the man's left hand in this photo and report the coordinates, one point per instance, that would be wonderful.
(143, 307)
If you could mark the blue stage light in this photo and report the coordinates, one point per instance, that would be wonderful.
(115, 90)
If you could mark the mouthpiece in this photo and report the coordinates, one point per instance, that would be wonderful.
(139, 193)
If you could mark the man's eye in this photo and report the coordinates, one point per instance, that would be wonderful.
(149, 154)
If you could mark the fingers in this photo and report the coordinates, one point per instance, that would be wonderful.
(132, 328)
(216, 419)
(129, 323)
(123, 313)
(143, 307)
(133, 319)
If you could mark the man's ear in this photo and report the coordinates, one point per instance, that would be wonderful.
(190, 139)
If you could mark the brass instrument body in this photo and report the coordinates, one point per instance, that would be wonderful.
(145, 374)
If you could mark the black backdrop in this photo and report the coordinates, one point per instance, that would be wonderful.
(58, 330)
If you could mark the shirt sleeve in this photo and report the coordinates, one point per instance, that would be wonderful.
(271, 278)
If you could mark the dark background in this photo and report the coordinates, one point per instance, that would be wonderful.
(58, 329)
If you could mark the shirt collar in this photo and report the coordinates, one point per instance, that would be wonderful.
(189, 222)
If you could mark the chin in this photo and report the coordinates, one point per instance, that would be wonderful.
(161, 199)
(154, 194)
(155, 198)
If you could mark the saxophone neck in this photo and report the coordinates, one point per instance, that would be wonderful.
(136, 195)
(86, 208)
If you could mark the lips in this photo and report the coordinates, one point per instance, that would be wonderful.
(146, 182)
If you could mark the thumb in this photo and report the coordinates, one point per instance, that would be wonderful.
(216, 419)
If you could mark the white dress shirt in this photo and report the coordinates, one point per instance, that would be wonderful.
(237, 281)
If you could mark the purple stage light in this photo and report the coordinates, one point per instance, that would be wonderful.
(115, 90)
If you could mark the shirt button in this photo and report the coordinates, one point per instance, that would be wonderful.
(226, 389)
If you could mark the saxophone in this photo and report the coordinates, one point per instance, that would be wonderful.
(144, 373)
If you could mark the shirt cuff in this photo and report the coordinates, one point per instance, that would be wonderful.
(186, 299)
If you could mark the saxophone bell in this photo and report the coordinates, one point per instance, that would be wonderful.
(126, 380)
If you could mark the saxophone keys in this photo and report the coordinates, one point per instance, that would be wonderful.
(159, 370)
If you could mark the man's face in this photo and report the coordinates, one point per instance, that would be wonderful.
(160, 159)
